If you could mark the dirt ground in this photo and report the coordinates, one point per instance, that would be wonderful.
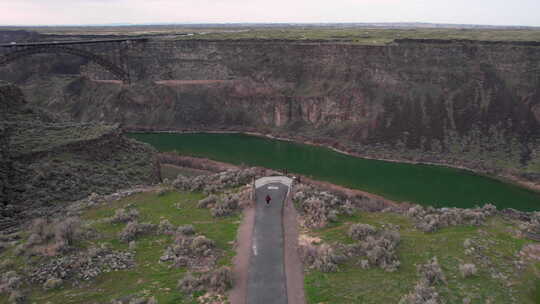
(203, 164)
(238, 294)
(294, 270)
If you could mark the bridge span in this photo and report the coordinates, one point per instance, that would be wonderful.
(114, 59)
(74, 42)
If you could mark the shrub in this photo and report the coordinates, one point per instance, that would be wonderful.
(489, 209)
(186, 230)
(391, 237)
(185, 248)
(181, 261)
(190, 284)
(219, 280)
(333, 216)
(359, 232)
(326, 259)
(299, 196)
(10, 281)
(323, 257)
(364, 264)
(467, 270)
(163, 191)
(19, 249)
(123, 216)
(129, 232)
(207, 201)
(431, 272)
(39, 227)
(52, 283)
(212, 183)
(431, 219)
(381, 252)
(165, 227)
(308, 254)
(16, 297)
(348, 207)
(378, 248)
(34, 239)
(62, 233)
(534, 225)
(225, 207)
(201, 245)
(134, 300)
(134, 229)
(315, 213)
(6, 263)
(371, 205)
(67, 230)
(221, 211)
(320, 207)
(422, 294)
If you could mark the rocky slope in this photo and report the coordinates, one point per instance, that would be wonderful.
(46, 162)
(464, 103)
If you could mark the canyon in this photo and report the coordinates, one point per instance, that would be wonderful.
(463, 103)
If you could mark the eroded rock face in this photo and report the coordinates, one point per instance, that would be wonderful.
(464, 103)
(45, 161)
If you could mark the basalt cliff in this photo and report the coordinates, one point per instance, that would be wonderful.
(46, 161)
(462, 103)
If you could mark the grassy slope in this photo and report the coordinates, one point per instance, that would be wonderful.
(355, 285)
(149, 276)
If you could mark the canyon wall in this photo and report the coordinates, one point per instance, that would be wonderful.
(46, 161)
(462, 103)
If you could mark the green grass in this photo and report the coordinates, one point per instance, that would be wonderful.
(355, 285)
(149, 277)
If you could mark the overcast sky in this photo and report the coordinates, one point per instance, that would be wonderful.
(53, 12)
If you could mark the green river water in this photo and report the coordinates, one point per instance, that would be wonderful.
(424, 184)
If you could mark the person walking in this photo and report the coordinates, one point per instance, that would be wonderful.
(268, 199)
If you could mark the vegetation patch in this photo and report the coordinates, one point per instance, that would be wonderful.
(437, 266)
(105, 269)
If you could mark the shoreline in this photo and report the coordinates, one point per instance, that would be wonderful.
(501, 178)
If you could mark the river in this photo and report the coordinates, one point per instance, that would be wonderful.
(424, 184)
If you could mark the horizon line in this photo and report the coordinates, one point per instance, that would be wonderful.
(402, 24)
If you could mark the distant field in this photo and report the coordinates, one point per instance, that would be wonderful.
(374, 36)
(355, 34)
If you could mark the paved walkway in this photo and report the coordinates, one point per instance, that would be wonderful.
(266, 278)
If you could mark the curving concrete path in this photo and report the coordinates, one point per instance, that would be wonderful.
(266, 277)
